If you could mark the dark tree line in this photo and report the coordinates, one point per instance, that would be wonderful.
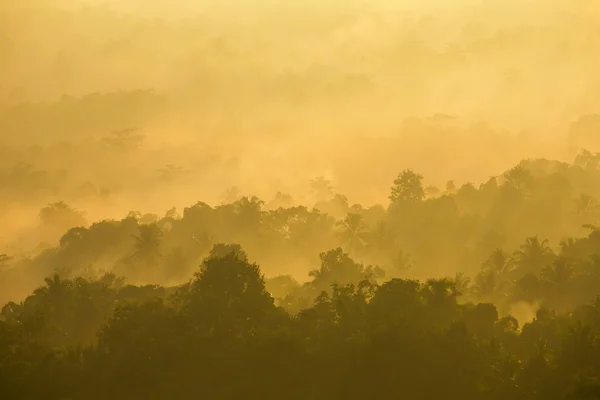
(222, 336)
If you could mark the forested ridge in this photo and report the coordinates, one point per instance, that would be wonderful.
(374, 319)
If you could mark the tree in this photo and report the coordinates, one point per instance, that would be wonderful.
(461, 283)
(228, 297)
(321, 188)
(221, 250)
(60, 215)
(519, 177)
(440, 296)
(124, 139)
(494, 275)
(353, 232)
(568, 247)
(337, 267)
(407, 189)
(249, 212)
(558, 273)
(499, 263)
(533, 255)
(147, 246)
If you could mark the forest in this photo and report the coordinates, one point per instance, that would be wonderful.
(516, 320)
(299, 200)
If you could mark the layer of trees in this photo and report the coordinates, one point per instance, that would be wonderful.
(375, 316)
(222, 336)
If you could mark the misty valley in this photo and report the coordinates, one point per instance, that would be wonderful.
(299, 200)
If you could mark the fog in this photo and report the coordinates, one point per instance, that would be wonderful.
(307, 199)
(119, 106)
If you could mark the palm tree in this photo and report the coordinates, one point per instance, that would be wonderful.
(486, 284)
(567, 246)
(533, 255)
(249, 210)
(249, 205)
(147, 245)
(352, 232)
(494, 275)
(559, 272)
(461, 283)
(499, 263)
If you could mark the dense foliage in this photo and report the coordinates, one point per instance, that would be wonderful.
(371, 320)
(280, 116)
(222, 336)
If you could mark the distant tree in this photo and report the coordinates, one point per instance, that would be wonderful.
(61, 215)
(281, 200)
(353, 232)
(450, 186)
(533, 255)
(124, 139)
(437, 291)
(568, 248)
(172, 213)
(519, 177)
(587, 160)
(249, 210)
(558, 273)
(407, 189)
(147, 246)
(499, 263)
(337, 267)
(321, 188)
(461, 283)
(494, 278)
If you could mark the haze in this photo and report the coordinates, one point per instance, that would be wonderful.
(329, 199)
